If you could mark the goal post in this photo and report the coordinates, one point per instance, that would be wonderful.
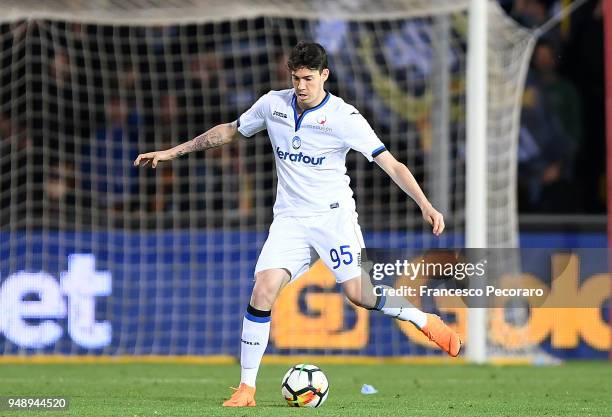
(476, 161)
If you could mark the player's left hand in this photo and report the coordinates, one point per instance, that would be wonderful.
(434, 218)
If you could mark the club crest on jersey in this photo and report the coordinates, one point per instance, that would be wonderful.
(296, 142)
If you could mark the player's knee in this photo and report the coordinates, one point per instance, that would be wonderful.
(263, 296)
(266, 290)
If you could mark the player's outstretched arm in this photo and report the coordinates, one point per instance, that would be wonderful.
(401, 175)
(212, 138)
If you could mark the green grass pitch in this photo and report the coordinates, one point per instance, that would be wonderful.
(572, 389)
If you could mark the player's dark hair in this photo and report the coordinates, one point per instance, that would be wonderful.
(309, 55)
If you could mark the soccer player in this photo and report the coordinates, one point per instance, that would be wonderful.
(311, 132)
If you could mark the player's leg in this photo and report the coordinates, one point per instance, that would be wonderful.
(360, 291)
(339, 241)
(256, 322)
(284, 256)
(256, 332)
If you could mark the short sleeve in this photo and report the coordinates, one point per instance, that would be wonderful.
(253, 120)
(360, 136)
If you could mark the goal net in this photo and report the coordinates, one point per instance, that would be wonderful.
(98, 257)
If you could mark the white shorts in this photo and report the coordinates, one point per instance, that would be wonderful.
(295, 243)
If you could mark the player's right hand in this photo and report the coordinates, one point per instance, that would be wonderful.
(155, 157)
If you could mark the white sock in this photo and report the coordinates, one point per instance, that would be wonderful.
(255, 335)
(411, 314)
(404, 312)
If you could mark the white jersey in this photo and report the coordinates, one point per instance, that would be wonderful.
(310, 150)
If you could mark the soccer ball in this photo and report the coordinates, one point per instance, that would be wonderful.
(305, 386)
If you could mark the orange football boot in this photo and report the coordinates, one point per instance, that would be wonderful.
(243, 396)
(442, 335)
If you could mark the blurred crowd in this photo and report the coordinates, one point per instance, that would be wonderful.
(96, 97)
(562, 138)
(66, 147)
